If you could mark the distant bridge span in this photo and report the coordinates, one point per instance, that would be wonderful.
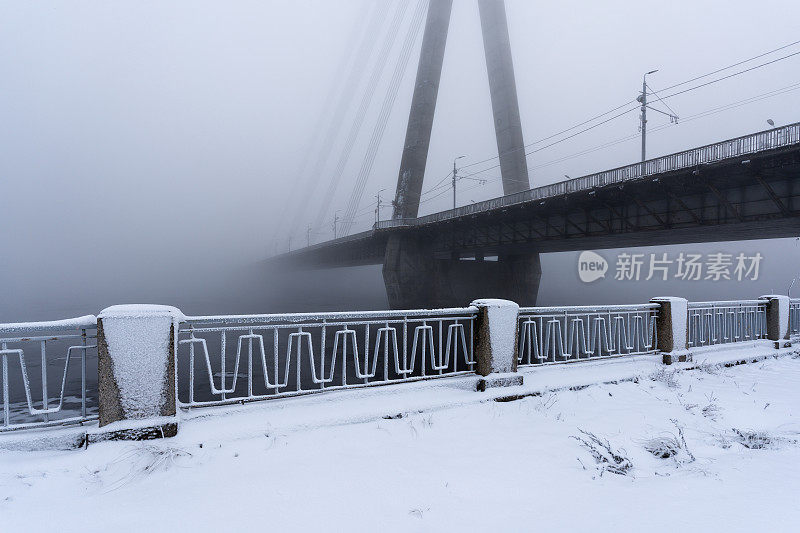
(742, 188)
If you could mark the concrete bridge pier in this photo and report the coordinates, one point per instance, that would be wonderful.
(416, 279)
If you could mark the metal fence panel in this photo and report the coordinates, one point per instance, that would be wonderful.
(712, 323)
(244, 358)
(44, 373)
(567, 334)
(794, 317)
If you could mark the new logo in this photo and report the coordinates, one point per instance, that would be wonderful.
(591, 266)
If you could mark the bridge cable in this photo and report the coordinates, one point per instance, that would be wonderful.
(731, 66)
(659, 97)
(386, 109)
(363, 107)
(730, 75)
(666, 89)
(300, 201)
(696, 116)
(618, 115)
(324, 117)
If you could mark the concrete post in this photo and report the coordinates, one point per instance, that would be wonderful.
(136, 347)
(496, 343)
(777, 319)
(671, 328)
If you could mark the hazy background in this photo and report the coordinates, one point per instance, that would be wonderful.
(149, 149)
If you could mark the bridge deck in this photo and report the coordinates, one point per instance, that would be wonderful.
(706, 186)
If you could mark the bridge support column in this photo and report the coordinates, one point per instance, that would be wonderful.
(415, 278)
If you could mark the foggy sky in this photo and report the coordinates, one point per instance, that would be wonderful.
(148, 149)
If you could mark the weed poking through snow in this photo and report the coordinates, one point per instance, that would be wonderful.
(712, 409)
(145, 459)
(753, 440)
(667, 377)
(670, 446)
(605, 456)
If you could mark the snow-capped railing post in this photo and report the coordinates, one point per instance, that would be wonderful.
(671, 328)
(136, 372)
(496, 343)
(777, 319)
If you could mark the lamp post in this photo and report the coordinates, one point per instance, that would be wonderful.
(378, 208)
(335, 224)
(643, 100)
(455, 173)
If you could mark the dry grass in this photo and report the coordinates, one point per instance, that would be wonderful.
(144, 459)
(753, 440)
(605, 456)
(670, 446)
(667, 377)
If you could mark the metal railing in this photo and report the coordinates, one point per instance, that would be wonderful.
(747, 144)
(231, 359)
(565, 334)
(794, 317)
(713, 323)
(54, 345)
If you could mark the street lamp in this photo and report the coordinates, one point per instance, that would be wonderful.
(643, 100)
(455, 172)
(378, 208)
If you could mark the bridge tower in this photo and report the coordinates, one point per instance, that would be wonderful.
(413, 275)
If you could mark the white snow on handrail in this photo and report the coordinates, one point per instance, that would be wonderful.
(334, 316)
(81, 322)
(587, 308)
(726, 303)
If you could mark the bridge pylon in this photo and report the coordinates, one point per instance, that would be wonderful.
(413, 277)
(503, 91)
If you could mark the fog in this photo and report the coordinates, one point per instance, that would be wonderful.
(150, 151)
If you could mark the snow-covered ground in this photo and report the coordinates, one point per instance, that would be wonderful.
(511, 466)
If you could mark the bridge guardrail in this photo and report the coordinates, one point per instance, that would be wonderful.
(713, 323)
(739, 146)
(286, 355)
(65, 340)
(231, 359)
(568, 334)
(794, 317)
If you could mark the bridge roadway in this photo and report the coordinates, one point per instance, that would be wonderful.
(742, 188)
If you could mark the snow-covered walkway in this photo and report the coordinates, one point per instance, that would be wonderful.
(510, 466)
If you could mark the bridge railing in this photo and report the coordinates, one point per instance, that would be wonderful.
(44, 373)
(568, 334)
(231, 359)
(712, 323)
(740, 146)
(794, 317)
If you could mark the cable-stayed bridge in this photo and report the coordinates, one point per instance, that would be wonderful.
(742, 188)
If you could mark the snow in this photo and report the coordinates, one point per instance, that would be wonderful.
(337, 315)
(86, 321)
(138, 344)
(142, 310)
(331, 461)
